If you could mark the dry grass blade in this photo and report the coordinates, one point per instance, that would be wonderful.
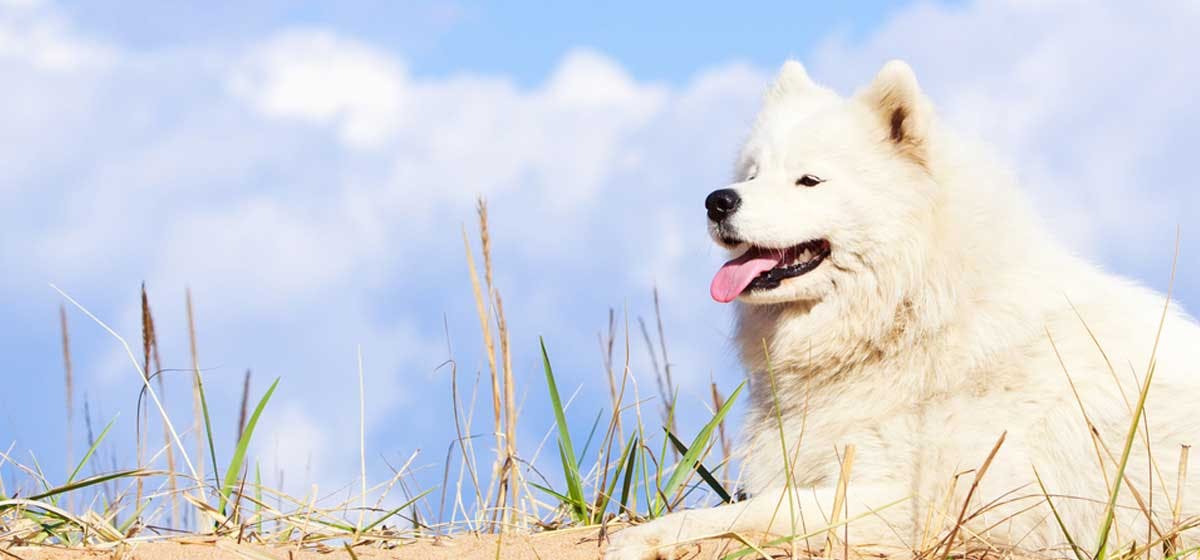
(244, 409)
(606, 352)
(1180, 482)
(151, 351)
(789, 483)
(69, 384)
(614, 432)
(662, 344)
(35, 504)
(462, 428)
(481, 309)
(199, 408)
(505, 484)
(153, 394)
(510, 408)
(803, 536)
(664, 394)
(103, 528)
(726, 454)
(839, 497)
(326, 523)
(390, 513)
(979, 474)
(142, 413)
(362, 438)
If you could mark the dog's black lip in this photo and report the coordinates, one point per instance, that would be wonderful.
(771, 279)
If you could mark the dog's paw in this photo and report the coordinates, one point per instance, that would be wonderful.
(643, 542)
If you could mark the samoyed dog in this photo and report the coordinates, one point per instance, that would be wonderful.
(897, 300)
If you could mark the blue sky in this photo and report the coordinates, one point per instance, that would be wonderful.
(306, 170)
(524, 40)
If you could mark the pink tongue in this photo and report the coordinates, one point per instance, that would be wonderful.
(736, 274)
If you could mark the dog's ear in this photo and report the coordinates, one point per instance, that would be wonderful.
(792, 78)
(902, 109)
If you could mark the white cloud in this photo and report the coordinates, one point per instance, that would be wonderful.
(310, 192)
(586, 79)
(317, 76)
(1086, 100)
(290, 234)
(35, 34)
(296, 445)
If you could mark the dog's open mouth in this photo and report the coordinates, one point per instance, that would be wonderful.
(764, 269)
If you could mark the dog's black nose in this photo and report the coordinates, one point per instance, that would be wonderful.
(722, 203)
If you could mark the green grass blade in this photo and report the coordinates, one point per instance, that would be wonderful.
(653, 510)
(334, 525)
(692, 457)
(51, 530)
(579, 508)
(1079, 555)
(606, 497)
(1182, 553)
(91, 481)
(208, 431)
(91, 450)
(565, 500)
(41, 476)
(702, 471)
(647, 482)
(125, 527)
(587, 443)
(566, 449)
(662, 454)
(392, 512)
(239, 453)
(1110, 511)
(630, 469)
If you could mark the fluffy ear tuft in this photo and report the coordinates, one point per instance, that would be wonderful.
(896, 98)
(792, 78)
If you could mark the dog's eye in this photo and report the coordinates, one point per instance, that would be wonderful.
(809, 181)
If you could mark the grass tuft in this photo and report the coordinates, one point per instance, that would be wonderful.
(234, 472)
(621, 475)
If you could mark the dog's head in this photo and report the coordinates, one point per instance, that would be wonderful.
(832, 195)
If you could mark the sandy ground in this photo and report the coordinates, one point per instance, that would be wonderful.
(541, 547)
(560, 545)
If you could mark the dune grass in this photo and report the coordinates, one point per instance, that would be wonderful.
(626, 477)
(628, 470)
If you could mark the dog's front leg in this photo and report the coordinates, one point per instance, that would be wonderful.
(780, 512)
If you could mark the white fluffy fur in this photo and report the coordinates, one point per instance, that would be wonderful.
(929, 331)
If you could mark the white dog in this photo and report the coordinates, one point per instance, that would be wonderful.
(894, 293)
